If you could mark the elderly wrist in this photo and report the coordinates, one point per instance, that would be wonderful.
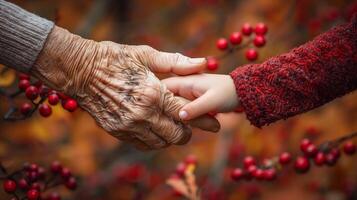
(66, 61)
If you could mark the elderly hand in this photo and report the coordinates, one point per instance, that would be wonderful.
(116, 85)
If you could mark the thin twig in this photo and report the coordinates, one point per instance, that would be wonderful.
(235, 49)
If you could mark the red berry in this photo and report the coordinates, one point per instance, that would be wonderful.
(261, 29)
(54, 196)
(53, 99)
(247, 29)
(44, 91)
(180, 169)
(31, 92)
(9, 186)
(237, 174)
(331, 159)
(222, 44)
(349, 148)
(302, 164)
(251, 170)
(284, 158)
(63, 96)
(71, 183)
(258, 174)
(335, 152)
(259, 41)
(212, 64)
(320, 159)
(235, 38)
(56, 167)
(311, 150)
(25, 108)
(65, 173)
(24, 84)
(269, 174)
(33, 194)
(70, 105)
(36, 186)
(248, 161)
(33, 167)
(23, 76)
(304, 144)
(191, 159)
(251, 54)
(41, 172)
(32, 175)
(38, 84)
(23, 184)
(45, 110)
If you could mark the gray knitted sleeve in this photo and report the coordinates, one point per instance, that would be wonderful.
(22, 36)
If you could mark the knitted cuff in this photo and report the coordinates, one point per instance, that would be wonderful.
(22, 36)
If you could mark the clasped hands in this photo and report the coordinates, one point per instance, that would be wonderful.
(117, 86)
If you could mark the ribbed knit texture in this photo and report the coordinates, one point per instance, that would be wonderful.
(22, 36)
(301, 80)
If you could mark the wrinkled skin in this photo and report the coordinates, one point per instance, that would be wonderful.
(116, 85)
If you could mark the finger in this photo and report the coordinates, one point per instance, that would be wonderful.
(206, 122)
(150, 138)
(182, 86)
(172, 106)
(163, 62)
(202, 105)
(172, 84)
(172, 131)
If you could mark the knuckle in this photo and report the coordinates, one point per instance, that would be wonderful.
(145, 48)
(177, 57)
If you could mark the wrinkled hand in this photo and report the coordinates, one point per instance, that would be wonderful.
(115, 84)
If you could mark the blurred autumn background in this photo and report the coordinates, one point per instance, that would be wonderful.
(108, 169)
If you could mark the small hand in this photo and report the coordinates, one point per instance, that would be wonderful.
(209, 92)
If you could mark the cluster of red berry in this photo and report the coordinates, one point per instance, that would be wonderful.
(39, 91)
(322, 155)
(31, 182)
(251, 171)
(235, 39)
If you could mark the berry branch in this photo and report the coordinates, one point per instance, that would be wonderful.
(235, 44)
(30, 183)
(327, 153)
(37, 94)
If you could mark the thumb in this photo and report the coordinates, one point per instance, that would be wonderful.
(163, 62)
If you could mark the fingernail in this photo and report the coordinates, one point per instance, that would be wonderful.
(183, 114)
(197, 60)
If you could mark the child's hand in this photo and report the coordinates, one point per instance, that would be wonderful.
(209, 92)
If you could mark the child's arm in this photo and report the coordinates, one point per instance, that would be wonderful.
(301, 80)
(283, 86)
(210, 92)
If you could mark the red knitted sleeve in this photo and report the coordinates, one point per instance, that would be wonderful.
(305, 78)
